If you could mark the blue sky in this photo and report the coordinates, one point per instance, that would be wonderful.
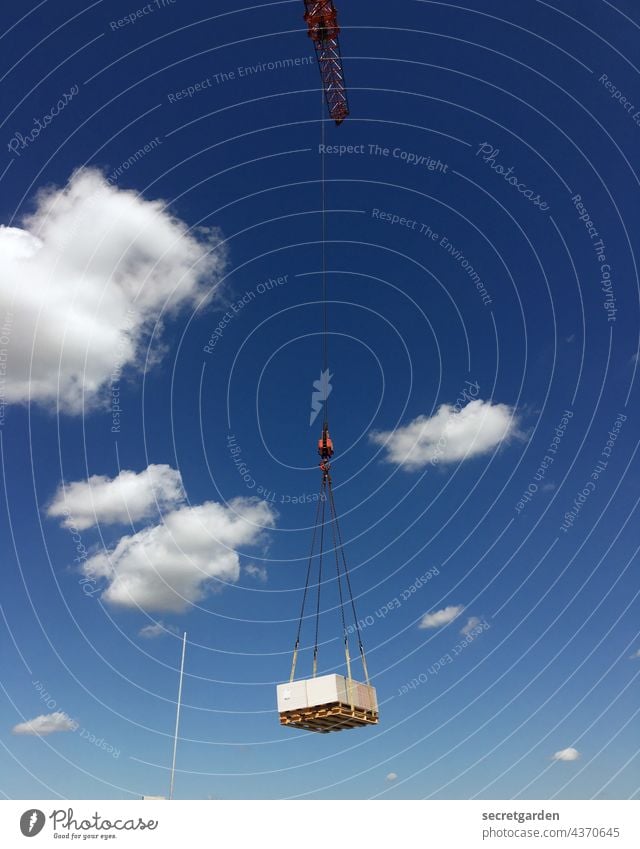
(161, 241)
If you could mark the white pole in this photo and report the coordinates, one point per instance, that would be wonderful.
(175, 738)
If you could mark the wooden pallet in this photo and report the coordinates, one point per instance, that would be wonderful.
(327, 718)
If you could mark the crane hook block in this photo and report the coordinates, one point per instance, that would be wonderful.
(325, 444)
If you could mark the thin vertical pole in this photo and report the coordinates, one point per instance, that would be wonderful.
(175, 737)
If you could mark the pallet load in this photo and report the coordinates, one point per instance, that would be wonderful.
(327, 703)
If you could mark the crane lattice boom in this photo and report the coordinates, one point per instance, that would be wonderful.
(322, 21)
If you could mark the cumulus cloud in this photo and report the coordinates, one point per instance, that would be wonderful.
(392, 776)
(49, 723)
(438, 618)
(257, 572)
(128, 497)
(453, 433)
(91, 272)
(168, 566)
(472, 622)
(157, 629)
(569, 754)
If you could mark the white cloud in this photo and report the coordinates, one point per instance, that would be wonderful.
(257, 572)
(49, 723)
(450, 435)
(392, 776)
(128, 497)
(472, 622)
(169, 566)
(157, 629)
(569, 754)
(635, 655)
(93, 270)
(441, 617)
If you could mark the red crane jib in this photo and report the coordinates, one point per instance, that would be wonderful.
(323, 29)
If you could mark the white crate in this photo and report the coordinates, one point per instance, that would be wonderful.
(326, 690)
(292, 696)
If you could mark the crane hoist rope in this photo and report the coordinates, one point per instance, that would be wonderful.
(327, 519)
(330, 702)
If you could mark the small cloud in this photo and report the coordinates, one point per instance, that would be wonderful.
(451, 435)
(257, 572)
(128, 497)
(472, 622)
(635, 655)
(392, 776)
(548, 487)
(569, 754)
(571, 338)
(49, 723)
(441, 617)
(157, 629)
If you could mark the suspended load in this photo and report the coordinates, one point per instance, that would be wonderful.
(328, 702)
